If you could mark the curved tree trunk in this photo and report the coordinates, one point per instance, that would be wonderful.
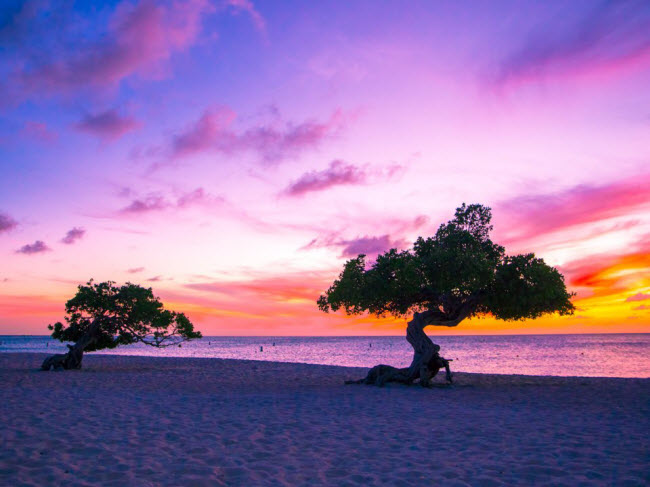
(426, 361)
(72, 359)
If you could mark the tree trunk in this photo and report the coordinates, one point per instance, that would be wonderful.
(72, 359)
(426, 361)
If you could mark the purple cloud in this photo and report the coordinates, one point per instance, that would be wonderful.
(154, 279)
(638, 297)
(135, 270)
(273, 142)
(248, 7)
(73, 235)
(197, 197)
(369, 245)
(138, 40)
(108, 125)
(533, 215)
(7, 223)
(39, 131)
(338, 173)
(150, 203)
(35, 248)
(613, 37)
(156, 202)
(210, 130)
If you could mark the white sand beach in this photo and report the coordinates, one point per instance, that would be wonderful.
(176, 421)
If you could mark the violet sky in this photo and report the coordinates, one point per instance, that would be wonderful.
(233, 154)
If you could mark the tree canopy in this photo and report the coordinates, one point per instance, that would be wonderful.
(456, 274)
(121, 315)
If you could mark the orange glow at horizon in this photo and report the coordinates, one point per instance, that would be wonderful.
(612, 298)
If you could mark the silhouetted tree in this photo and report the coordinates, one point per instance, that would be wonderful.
(456, 274)
(102, 315)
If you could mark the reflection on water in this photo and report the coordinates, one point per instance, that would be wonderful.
(609, 355)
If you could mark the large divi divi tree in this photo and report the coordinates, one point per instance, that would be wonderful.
(102, 315)
(456, 274)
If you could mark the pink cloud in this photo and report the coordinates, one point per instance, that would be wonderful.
(338, 173)
(370, 246)
(611, 40)
(395, 229)
(140, 37)
(641, 307)
(533, 215)
(109, 125)
(35, 248)
(7, 223)
(39, 131)
(276, 288)
(156, 202)
(209, 130)
(150, 203)
(609, 274)
(638, 297)
(135, 270)
(73, 235)
(273, 142)
(248, 7)
(196, 197)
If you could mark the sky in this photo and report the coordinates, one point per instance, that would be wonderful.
(232, 155)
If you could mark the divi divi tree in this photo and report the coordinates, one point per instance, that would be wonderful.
(103, 315)
(457, 274)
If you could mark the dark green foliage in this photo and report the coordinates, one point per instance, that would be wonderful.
(127, 314)
(459, 272)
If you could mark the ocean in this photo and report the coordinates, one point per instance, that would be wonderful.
(602, 355)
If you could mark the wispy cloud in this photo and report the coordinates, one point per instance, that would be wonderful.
(638, 297)
(135, 270)
(275, 288)
(338, 173)
(108, 125)
(396, 229)
(73, 235)
(213, 131)
(612, 274)
(36, 248)
(139, 38)
(39, 131)
(641, 307)
(145, 205)
(368, 245)
(613, 37)
(7, 223)
(157, 202)
(532, 215)
(248, 7)
(210, 130)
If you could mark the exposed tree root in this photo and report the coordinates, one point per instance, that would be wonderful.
(426, 360)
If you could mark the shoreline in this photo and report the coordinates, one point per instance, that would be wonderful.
(43, 355)
(178, 421)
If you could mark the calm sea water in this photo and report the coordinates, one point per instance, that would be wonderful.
(607, 355)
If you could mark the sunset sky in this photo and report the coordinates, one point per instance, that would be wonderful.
(232, 155)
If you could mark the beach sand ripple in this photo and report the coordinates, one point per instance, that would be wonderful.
(126, 420)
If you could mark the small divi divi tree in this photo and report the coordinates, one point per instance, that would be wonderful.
(456, 274)
(102, 315)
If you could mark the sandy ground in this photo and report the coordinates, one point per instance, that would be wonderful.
(177, 421)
